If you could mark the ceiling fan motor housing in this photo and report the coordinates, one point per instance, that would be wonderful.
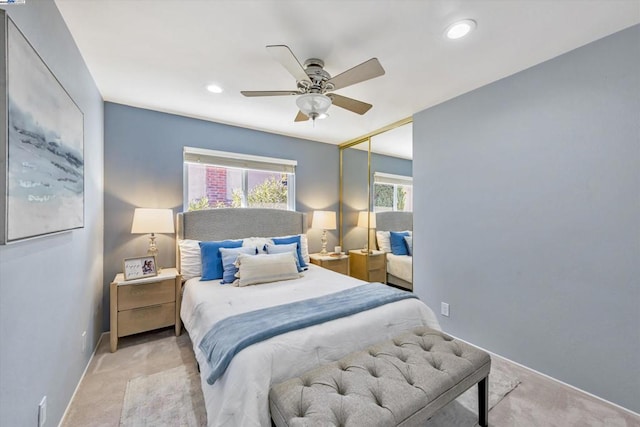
(314, 68)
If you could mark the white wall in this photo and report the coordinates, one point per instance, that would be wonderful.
(528, 198)
(51, 287)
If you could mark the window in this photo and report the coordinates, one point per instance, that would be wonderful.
(218, 179)
(392, 192)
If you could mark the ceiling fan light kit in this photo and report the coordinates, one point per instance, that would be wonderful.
(313, 105)
(314, 84)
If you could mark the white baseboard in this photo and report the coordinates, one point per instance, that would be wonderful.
(622, 408)
(81, 378)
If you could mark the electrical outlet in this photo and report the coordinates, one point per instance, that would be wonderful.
(84, 341)
(444, 309)
(42, 411)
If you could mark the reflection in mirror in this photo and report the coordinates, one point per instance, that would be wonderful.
(376, 176)
(392, 170)
(355, 197)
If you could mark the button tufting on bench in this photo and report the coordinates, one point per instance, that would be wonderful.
(377, 387)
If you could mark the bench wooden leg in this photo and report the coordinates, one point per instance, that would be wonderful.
(483, 402)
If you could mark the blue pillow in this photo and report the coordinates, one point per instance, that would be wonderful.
(211, 258)
(229, 257)
(280, 249)
(409, 242)
(292, 239)
(398, 246)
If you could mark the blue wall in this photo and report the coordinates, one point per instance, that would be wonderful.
(51, 287)
(528, 194)
(143, 168)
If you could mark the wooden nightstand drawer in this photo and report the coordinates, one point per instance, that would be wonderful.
(339, 264)
(378, 275)
(376, 262)
(146, 318)
(146, 294)
(368, 267)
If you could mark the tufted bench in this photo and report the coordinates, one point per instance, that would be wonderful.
(402, 382)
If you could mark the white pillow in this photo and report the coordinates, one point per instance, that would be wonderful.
(257, 242)
(304, 248)
(190, 261)
(383, 238)
(265, 268)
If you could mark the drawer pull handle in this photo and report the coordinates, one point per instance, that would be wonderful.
(147, 307)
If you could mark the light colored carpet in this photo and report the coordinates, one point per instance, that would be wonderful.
(167, 398)
(537, 402)
(172, 398)
(463, 412)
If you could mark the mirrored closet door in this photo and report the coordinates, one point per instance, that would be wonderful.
(376, 197)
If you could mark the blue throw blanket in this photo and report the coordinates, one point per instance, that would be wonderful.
(232, 334)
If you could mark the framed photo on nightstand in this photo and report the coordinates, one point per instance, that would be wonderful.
(139, 267)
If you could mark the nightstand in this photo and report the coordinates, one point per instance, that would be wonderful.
(339, 263)
(144, 304)
(370, 268)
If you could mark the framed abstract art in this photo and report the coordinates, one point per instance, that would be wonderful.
(41, 145)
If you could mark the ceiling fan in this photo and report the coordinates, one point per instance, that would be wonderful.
(315, 84)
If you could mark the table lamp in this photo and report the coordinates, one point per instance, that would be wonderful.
(326, 220)
(152, 221)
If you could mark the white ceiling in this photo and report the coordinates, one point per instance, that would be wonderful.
(160, 54)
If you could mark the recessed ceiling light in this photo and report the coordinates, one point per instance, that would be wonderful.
(214, 88)
(460, 29)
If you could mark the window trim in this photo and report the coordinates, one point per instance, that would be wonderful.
(245, 162)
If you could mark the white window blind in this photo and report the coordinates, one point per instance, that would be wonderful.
(239, 161)
(391, 179)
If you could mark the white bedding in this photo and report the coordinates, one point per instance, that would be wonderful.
(400, 266)
(240, 396)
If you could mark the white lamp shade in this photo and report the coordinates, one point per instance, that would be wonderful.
(362, 219)
(152, 221)
(324, 219)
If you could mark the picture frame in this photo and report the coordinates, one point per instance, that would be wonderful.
(139, 267)
(41, 145)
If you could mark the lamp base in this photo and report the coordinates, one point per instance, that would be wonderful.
(323, 239)
(152, 250)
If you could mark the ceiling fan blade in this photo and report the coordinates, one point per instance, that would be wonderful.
(283, 55)
(301, 117)
(350, 104)
(268, 92)
(365, 71)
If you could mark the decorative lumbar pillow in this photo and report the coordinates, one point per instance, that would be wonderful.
(398, 245)
(408, 240)
(292, 239)
(265, 268)
(280, 249)
(229, 257)
(257, 242)
(383, 241)
(190, 263)
(212, 259)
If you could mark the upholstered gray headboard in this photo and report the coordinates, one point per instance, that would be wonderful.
(220, 224)
(229, 223)
(394, 221)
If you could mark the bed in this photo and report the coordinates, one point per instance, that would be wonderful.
(399, 267)
(239, 396)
